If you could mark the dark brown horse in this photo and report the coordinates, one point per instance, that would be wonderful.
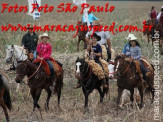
(127, 78)
(89, 81)
(148, 32)
(5, 100)
(81, 34)
(37, 81)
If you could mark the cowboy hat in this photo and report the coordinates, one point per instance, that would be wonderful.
(97, 22)
(44, 35)
(131, 37)
(96, 36)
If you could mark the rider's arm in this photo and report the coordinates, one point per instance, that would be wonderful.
(107, 36)
(94, 18)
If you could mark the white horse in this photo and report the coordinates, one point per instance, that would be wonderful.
(17, 53)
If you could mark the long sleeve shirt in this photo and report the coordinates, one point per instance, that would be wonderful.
(135, 52)
(44, 50)
(91, 17)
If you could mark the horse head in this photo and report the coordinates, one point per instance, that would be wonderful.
(9, 53)
(120, 65)
(21, 71)
(81, 67)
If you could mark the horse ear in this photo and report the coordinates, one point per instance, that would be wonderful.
(12, 46)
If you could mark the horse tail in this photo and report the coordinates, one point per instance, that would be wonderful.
(7, 99)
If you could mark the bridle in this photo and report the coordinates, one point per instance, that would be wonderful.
(123, 72)
(88, 78)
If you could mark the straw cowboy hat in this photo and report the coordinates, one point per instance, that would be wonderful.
(161, 6)
(131, 37)
(44, 35)
(97, 22)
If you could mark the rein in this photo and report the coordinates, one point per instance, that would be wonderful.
(35, 71)
(126, 68)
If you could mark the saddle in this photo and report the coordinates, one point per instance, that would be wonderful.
(98, 70)
(149, 69)
(44, 64)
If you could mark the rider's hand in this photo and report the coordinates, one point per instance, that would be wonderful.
(41, 58)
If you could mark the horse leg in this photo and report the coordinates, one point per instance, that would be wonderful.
(48, 98)
(33, 93)
(85, 45)
(2, 104)
(120, 90)
(101, 94)
(141, 95)
(59, 96)
(132, 95)
(38, 93)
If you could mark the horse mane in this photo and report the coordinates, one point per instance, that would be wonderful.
(21, 48)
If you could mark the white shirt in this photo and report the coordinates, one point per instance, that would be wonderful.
(103, 34)
(158, 16)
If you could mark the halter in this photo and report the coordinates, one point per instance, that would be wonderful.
(88, 78)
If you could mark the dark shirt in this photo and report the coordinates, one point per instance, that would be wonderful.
(30, 41)
(96, 49)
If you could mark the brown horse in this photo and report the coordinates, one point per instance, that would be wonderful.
(148, 32)
(5, 100)
(81, 34)
(128, 79)
(37, 81)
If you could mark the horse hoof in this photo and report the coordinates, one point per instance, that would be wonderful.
(86, 110)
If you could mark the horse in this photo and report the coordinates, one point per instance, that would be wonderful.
(5, 100)
(88, 81)
(81, 34)
(17, 52)
(128, 79)
(37, 81)
(149, 32)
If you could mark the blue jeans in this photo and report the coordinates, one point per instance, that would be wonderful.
(143, 69)
(51, 67)
(34, 55)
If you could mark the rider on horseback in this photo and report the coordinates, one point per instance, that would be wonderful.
(160, 16)
(44, 51)
(30, 40)
(105, 38)
(95, 51)
(91, 17)
(135, 54)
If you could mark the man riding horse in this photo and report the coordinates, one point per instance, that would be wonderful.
(105, 38)
(95, 52)
(29, 41)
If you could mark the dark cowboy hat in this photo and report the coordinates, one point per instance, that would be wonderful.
(96, 36)
(137, 43)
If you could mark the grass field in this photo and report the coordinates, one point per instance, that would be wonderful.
(64, 49)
